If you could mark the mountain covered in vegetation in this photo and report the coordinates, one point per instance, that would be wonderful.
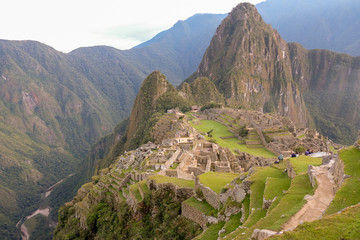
(55, 106)
(254, 68)
(333, 24)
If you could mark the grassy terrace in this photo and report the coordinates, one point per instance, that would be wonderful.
(217, 180)
(220, 130)
(349, 193)
(202, 206)
(144, 187)
(232, 224)
(135, 191)
(177, 181)
(211, 233)
(345, 225)
(275, 187)
(301, 163)
(258, 189)
(285, 206)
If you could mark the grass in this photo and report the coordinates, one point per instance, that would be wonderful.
(232, 224)
(135, 191)
(212, 232)
(301, 163)
(275, 187)
(177, 181)
(144, 187)
(258, 185)
(220, 130)
(257, 192)
(246, 204)
(345, 225)
(349, 193)
(285, 208)
(217, 180)
(202, 206)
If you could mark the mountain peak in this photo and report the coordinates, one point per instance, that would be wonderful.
(249, 63)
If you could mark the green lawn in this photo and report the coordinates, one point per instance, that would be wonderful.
(301, 163)
(217, 180)
(349, 193)
(211, 233)
(202, 206)
(275, 187)
(220, 130)
(258, 185)
(257, 191)
(232, 224)
(286, 207)
(345, 225)
(177, 181)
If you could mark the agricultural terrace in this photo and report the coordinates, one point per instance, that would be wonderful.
(177, 181)
(301, 163)
(202, 206)
(216, 181)
(219, 130)
(349, 193)
(289, 200)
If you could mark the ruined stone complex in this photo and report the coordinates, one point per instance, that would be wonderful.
(181, 157)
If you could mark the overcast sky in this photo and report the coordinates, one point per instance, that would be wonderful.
(69, 24)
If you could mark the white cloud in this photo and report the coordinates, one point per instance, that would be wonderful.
(69, 24)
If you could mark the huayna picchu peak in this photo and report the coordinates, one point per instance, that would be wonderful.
(254, 68)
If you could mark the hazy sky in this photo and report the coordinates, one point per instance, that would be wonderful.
(69, 24)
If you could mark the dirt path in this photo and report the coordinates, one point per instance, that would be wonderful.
(317, 203)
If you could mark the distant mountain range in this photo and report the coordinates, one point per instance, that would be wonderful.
(324, 24)
(54, 106)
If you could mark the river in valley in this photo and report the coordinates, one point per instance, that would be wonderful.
(44, 211)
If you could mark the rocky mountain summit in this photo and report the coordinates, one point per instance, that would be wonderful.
(254, 68)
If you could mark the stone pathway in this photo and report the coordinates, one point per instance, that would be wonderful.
(318, 203)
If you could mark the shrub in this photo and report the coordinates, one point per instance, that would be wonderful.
(243, 132)
(210, 105)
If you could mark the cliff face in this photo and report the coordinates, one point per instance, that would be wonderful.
(330, 83)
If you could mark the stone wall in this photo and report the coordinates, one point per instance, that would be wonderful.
(312, 175)
(125, 181)
(290, 171)
(193, 214)
(171, 173)
(197, 171)
(336, 169)
(210, 196)
(180, 193)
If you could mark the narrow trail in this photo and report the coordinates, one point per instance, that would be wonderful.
(316, 204)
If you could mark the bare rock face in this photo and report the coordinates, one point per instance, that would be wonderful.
(357, 142)
(260, 234)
